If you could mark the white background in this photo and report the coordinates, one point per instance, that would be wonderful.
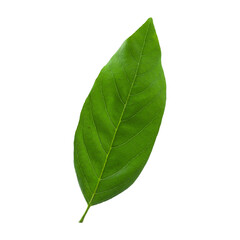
(50, 54)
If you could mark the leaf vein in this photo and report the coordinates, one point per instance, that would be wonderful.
(149, 86)
(89, 155)
(119, 145)
(115, 83)
(106, 104)
(122, 65)
(84, 175)
(95, 124)
(145, 105)
(149, 70)
(128, 162)
(117, 186)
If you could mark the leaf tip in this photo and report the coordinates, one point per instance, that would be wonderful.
(150, 20)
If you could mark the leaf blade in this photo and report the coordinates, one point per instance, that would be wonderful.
(121, 124)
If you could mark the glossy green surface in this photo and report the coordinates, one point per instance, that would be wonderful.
(120, 118)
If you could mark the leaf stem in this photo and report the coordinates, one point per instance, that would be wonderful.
(81, 220)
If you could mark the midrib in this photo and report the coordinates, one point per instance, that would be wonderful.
(117, 127)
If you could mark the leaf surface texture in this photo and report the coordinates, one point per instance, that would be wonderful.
(120, 118)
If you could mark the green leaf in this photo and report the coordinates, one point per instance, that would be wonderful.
(120, 118)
